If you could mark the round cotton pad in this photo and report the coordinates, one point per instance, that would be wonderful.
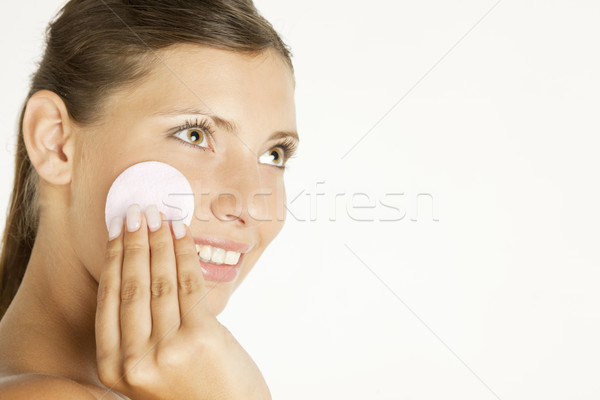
(151, 182)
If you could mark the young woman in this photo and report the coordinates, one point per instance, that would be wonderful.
(126, 312)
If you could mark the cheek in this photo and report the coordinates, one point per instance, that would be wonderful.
(277, 206)
(267, 230)
(94, 170)
(271, 227)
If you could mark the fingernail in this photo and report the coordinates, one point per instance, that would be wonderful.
(153, 218)
(114, 228)
(178, 229)
(134, 218)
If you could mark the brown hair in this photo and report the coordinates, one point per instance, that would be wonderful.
(96, 46)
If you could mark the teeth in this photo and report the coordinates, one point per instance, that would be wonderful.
(217, 255)
(232, 257)
(205, 252)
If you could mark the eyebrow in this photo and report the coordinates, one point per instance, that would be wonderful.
(227, 125)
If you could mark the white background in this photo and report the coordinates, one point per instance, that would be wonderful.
(491, 293)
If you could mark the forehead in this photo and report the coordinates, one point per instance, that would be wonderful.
(245, 88)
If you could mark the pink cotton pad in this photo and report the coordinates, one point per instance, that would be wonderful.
(151, 182)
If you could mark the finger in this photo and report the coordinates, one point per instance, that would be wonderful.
(107, 324)
(193, 304)
(136, 323)
(164, 303)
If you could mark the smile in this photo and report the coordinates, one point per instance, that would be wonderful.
(217, 255)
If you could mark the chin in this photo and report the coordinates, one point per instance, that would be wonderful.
(217, 307)
(218, 295)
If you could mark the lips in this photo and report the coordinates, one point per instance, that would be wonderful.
(220, 272)
(220, 259)
(223, 243)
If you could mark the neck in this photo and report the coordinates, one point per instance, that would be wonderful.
(49, 326)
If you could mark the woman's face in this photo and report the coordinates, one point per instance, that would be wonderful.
(237, 182)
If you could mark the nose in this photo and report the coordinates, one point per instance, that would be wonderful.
(240, 197)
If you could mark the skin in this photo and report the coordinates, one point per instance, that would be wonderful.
(49, 327)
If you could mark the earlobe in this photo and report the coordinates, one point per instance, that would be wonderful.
(47, 136)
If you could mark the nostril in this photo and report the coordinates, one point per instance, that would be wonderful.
(231, 217)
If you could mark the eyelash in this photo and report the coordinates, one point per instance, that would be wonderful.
(288, 145)
(204, 125)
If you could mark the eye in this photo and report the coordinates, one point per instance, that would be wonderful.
(196, 134)
(193, 136)
(273, 157)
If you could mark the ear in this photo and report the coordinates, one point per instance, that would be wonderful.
(47, 136)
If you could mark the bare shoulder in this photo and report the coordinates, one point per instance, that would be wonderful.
(30, 386)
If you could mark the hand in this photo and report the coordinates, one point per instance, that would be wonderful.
(155, 335)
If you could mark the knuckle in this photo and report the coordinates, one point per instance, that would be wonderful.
(169, 358)
(188, 282)
(185, 251)
(131, 290)
(134, 247)
(159, 245)
(199, 345)
(203, 335)
(204, 343)
(112, 253)
(161, 287)
(135, 372)
(108, 375)
(106, 291)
